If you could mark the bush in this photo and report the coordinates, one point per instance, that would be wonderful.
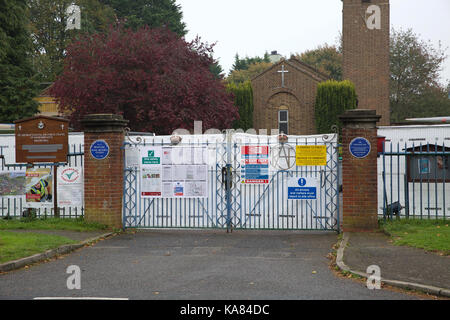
(333, 99)
(243, 99)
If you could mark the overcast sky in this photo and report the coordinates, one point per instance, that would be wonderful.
(252, 27)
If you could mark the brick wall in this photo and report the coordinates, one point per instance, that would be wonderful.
(366, 56)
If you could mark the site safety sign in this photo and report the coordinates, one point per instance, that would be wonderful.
(300, 188)
(311, 155)
(255, 164)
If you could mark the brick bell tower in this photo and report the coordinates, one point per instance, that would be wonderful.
(366, 29)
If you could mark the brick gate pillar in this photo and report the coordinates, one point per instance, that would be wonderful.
(360, 180)
(103, 168)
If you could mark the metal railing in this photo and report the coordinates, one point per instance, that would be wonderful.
(16, 206)
(414, 181)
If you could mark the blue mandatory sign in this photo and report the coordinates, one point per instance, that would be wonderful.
(360, 148)
(302, 189)
(99, 149)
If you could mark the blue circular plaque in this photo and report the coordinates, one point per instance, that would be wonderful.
(99, 149)
(302, 182)
(360, 148)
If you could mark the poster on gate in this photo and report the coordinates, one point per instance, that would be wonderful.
(313, 155)
(150, 163)
(255, 164)
(39, 186)
(12, 183)
(151, 182)
(132, 157)
(70, 187)
(174, 172)
(184, 172)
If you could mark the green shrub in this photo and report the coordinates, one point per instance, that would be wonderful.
(243, 99)
(333, 99)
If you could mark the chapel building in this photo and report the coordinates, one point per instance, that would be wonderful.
(284, 97)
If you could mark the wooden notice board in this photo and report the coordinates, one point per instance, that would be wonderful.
(42, 139)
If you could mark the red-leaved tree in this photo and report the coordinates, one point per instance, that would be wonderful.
(156, 80)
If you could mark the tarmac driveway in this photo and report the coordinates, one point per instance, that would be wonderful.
(196, 265)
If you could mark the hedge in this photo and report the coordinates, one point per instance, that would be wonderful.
(333, 99)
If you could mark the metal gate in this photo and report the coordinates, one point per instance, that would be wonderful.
(229, 203)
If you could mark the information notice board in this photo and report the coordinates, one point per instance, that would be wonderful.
(173, 172)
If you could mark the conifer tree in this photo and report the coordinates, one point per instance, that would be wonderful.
(333, 99)
(151, 13)
(243, 99)
(17, 84)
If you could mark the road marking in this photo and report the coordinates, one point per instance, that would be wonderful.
(77, 298)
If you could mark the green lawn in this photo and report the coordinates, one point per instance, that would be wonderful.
(431, 235)
(51, 224)
(19, 245)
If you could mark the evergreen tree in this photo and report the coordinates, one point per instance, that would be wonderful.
(17, 84)
(217, 70)
(333, 99)
(244, 64)
(243, 99)
(152, 13)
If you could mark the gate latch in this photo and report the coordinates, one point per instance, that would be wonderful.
(227, 175)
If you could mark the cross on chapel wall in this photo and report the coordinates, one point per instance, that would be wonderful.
(283, 71)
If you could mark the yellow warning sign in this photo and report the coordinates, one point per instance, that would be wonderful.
(311, 155)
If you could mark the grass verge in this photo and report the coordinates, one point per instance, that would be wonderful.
(51, 224)
(430, 235)
(14, 246)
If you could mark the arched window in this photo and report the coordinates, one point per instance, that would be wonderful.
(283, 121)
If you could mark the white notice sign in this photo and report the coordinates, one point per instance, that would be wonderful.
(70, 187)
(174, 172)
